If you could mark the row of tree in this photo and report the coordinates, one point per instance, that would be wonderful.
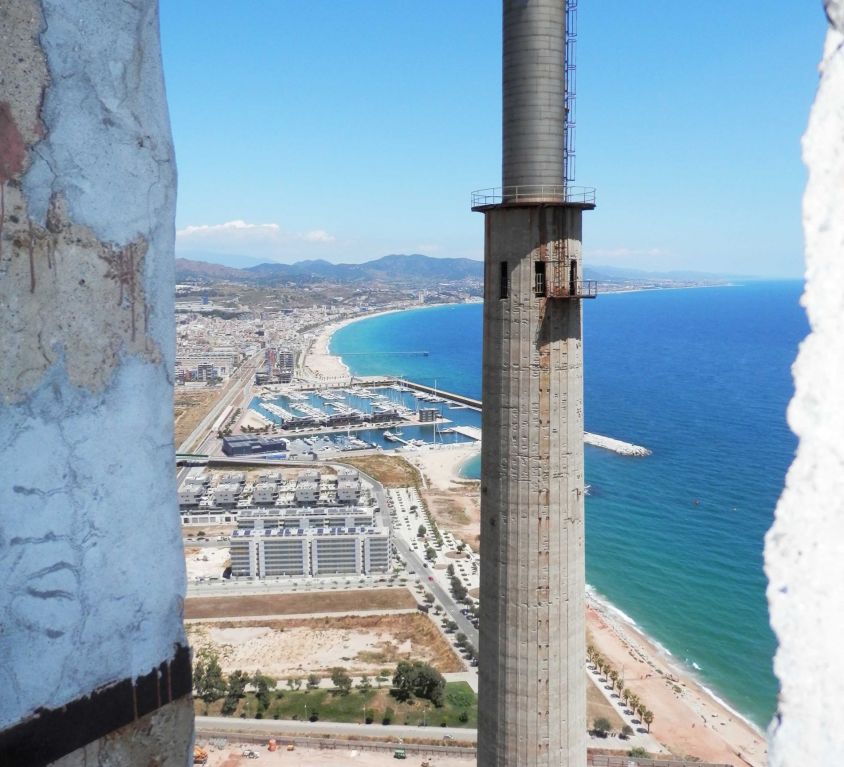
(627, 696)
(210, 684)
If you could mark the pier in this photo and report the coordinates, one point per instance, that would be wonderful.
(616, 445)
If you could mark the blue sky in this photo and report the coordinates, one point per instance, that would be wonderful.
(349, 129)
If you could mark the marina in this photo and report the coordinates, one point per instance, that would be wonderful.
(385, 414)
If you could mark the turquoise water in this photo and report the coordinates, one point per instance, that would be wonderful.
(702, 377)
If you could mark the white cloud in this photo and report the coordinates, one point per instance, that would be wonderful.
(238, 226)
(317, 235)
(264, 241)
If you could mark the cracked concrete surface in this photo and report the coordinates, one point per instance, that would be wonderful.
(89, 533)
(804, 552)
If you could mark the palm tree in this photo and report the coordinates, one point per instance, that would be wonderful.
(614, 677)
(640, 710)
(648, 717)
(633, 700)
(625, 695)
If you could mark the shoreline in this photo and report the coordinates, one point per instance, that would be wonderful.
(689, 716)
(726, 733)
(331, 366)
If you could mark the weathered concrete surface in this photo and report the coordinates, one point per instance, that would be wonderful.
(89, 539)
(145, 742)
(804, 553)
(534, 82)
(532, 630)
(532, 690)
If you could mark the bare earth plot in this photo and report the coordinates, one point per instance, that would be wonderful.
(390, 471)
(298, 604)
(190, 407)
(300, 646)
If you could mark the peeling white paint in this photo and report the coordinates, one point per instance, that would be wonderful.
(109, 129)
(804, 552)
(89, 535)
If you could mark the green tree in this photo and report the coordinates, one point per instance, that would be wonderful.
(418, 679)
(341, 680)
(237, 683)
(420, 533)
(647, 718)
(208, 678)
(263, 684)
(601, 726)
(389, 715)
(429, 598)
(626, 731)
(313, 681)
(637, 751)
(383, 676)
(450, 571)
(430, 554)
(364, 683)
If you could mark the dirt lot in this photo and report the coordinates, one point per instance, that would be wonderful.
(189, 408)
(311, 757)
(390, 471)
(300, 646)
(295, 604)
(457, 510)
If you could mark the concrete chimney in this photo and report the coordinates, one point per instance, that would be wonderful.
(532, 676)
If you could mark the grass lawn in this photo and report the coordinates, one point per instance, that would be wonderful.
(333, 707)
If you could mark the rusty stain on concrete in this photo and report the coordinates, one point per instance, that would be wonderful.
(68, 297)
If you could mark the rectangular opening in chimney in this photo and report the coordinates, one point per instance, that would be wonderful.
(539, 278)
(504, 281)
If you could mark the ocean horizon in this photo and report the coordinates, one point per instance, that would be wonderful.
(674, 541)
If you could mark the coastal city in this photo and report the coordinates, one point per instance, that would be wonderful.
(332, 532)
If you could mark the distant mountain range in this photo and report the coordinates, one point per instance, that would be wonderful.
(408, 271)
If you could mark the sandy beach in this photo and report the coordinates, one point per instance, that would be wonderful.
(318, 358)
(688, 719)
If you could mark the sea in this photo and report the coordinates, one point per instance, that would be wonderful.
(674, 541)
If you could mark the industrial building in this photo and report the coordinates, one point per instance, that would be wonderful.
(241, 444)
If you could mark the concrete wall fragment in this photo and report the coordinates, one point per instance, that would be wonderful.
(89, 533)
(804, 553)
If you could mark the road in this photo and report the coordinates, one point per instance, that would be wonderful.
(416, 566)
(227, 588)
(234, 386)
(281, 726)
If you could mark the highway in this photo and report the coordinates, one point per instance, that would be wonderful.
(275, 727)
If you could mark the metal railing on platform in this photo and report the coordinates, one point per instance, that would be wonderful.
(554, 193)
(579, 289)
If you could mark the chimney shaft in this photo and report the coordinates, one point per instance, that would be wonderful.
(533, 92)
